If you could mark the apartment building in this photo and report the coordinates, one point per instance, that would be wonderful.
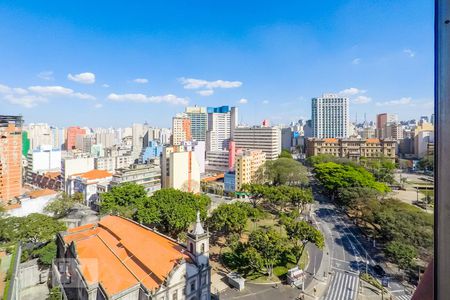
(181, 129)
(10, 158)
(247, 165)
(330, 116)
(147, 175)
(199, 122)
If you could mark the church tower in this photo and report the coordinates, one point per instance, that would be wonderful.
(198, 243)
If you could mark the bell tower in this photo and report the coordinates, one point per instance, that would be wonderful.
(198, 243)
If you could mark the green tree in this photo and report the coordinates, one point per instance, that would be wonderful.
(62, 204)
(285, 154)
(352, 197)
(426, 163)
(257, 192)
(270, 245)
(47, 253)
(229, 219)
(301, 234)
(283, 171)
(123, 200)
(55, 294)
(382, 168)
(401, 254)
(38, 228)
(172, 210)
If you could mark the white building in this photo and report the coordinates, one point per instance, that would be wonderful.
(217, 161)
(221, 123)
(147, 175)
(422, 142)
(198, 147)
(43, 159)
(330, 116)
(75, 165)
(112, 163)
(88, 185)
(39, 134)
(265, 138)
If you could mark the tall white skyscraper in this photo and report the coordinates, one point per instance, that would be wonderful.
(330, 116)
(199, 122)
(221, 124)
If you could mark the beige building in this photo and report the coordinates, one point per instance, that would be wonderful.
(264, 138)
(180, 170)
(352, 148)
(181, 129)
(247, 165)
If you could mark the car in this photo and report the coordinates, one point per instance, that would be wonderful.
(379, 271)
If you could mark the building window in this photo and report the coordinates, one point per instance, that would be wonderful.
(175, 295)
(192, 286)
(191, 248)
(203, 248)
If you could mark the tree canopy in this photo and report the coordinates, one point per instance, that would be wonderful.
(62, 204)
(123, 200)
(172, 210)
(285, 154)
(34, 228)
(229, 218)
(282, 171)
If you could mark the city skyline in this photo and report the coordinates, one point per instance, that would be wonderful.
(73, 69)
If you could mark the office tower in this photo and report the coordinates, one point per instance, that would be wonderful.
(383, 120)
(106, 137)
(221, 124)
(71, 137)
(246, 167)
(137, 135)
(199, 122)
(394, 131)
(10, 158)
(181, 129)
(84, 142)
(330, 116)
(265, 138)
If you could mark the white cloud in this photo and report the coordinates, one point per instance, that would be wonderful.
(46, 75)
(98, 105)
(351, 92)
(141, 98)
(193, 84)
(356, 61)
(409, 52)
(27, 101)
(361, 99)
(140, 80)
(38, 94)
(84, 78)
(205, 92)
(401, 101)
(265, 102)
(105, 85)
(50, 90)
(243, 101)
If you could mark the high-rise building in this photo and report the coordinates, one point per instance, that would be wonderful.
(180, 169)
(39, 134)
(10, 158)
(199, 122)
(383, 120)
(264, 138)
(71, 136)
(137, 135)
(181, 129)
(147, 175)
(330, 116)
(246, 167)
(221, 124)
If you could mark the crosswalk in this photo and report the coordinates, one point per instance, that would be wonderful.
(344, 286)
(402, 297)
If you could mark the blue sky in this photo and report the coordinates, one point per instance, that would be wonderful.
(112, 63)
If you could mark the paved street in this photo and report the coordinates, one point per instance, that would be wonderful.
(350, 253)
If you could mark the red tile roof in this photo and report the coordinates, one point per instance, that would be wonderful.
(94, 174)
(119, 253)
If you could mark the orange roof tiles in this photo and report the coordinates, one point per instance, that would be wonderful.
(330, 140)
(213, 178)
(94, 174)
(372, 141)
(52, 175)
(40, 193)
(126, 254)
